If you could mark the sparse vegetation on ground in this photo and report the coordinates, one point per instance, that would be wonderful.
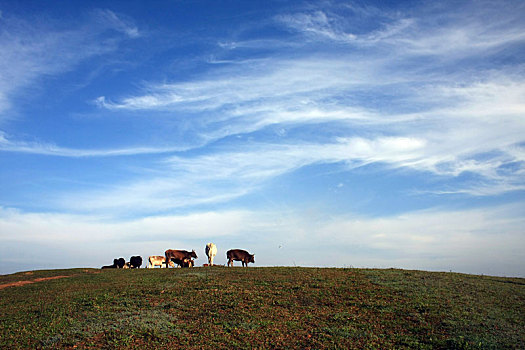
(265, 308)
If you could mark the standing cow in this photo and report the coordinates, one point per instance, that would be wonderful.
(211, 251)
(158, 260)
(239, 255)
(135, 262)
(180, 257)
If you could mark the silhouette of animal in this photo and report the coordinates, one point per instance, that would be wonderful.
(239, 255)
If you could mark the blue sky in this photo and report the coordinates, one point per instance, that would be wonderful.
(311, 133)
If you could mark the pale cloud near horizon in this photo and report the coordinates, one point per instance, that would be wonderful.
(464, 240)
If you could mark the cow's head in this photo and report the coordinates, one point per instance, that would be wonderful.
(251, 258)
(193, 254)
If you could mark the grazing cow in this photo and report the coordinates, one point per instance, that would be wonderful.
(211, 251)
(127, 265)
(158, 260)
(116, 264)
(239, 255)
(135, 262)
(120, 262)
(180, 255)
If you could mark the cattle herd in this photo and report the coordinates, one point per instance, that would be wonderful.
(182, 258)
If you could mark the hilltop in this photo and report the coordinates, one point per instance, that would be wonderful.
(278, 307)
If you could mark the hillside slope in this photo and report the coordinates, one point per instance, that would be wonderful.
(280, 307)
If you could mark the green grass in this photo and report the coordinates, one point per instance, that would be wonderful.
(247, 308)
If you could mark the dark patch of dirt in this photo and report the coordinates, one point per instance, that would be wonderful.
(21, 283)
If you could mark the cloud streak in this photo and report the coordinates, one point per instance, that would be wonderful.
(422, 121)
(190, 181)
(8, 145)
(32, 50)
(454, 124)
(438, 33)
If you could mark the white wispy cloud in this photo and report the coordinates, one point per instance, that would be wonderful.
(35, 49)
(371, 106)
(219, 177)
(118, 22)
(472, 29)
(252, 82)
(9, 145)
(454, 123)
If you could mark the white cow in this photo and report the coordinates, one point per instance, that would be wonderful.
(158, 260)
(211, 251)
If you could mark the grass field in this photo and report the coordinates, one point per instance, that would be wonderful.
(265, 308)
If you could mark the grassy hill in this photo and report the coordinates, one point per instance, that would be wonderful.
(279, 307)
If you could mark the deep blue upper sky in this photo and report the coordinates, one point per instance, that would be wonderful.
(385, 133)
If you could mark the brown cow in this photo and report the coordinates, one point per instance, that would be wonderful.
(179, 256)
(239, 255)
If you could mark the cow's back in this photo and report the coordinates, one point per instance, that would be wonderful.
(237, 254)
(177, 254)
(155, 260)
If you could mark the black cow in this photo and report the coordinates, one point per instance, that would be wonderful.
(120, 262)
(117, 264)
(239, 255)
(179, 257)
(135, 262)
(183, 262)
